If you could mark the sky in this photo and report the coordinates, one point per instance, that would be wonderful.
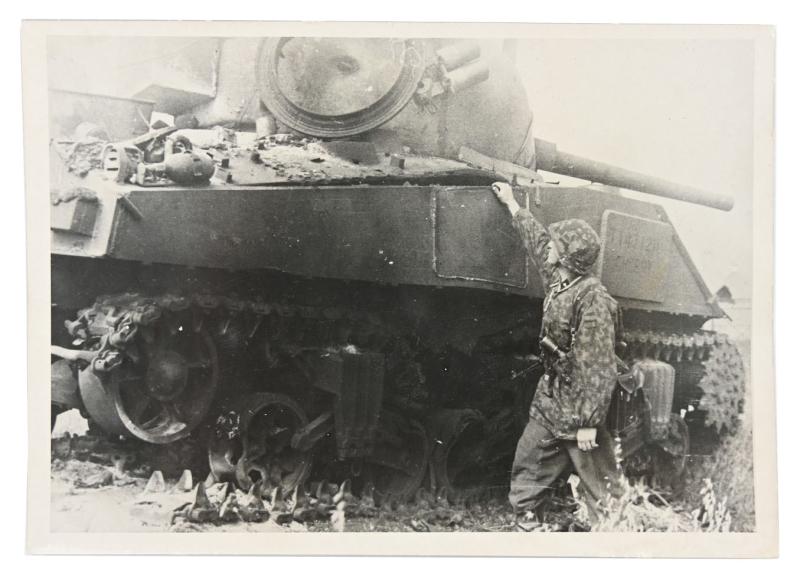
(678, 109)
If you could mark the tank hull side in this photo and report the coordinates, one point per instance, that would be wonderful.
(391, 235)
(431, 236)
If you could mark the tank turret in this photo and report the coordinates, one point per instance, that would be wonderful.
(430, 95)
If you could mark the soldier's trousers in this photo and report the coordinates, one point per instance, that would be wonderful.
(541, 459)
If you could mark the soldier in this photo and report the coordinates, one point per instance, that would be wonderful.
(567, 415)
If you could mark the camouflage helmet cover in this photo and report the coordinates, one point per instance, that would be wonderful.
(577, 243)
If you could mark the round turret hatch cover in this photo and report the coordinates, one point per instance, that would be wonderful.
(338, 87)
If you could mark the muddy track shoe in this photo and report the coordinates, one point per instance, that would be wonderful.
(322, 501)
(344, 494)
(279, 510)
(200, 510)
(303, 510)
(251, 506)
(229, 510)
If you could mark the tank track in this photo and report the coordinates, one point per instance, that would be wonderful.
(110, 324)
(112, 321)
(710, 371)
(277, 332)
(672, 347)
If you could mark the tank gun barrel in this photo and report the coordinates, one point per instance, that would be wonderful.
(549, 158)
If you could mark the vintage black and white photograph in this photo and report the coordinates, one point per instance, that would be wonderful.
(340, 282)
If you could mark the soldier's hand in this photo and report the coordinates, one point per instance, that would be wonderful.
(587, 439)
(504, 193)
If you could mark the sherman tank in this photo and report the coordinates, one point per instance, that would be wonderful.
(301, 266)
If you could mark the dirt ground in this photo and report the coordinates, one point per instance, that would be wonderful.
(122, 505)
(99, 487)
(87, 496)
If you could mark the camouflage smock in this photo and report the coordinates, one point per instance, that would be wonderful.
(582, 399)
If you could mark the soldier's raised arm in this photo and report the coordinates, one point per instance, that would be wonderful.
(534, 235)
